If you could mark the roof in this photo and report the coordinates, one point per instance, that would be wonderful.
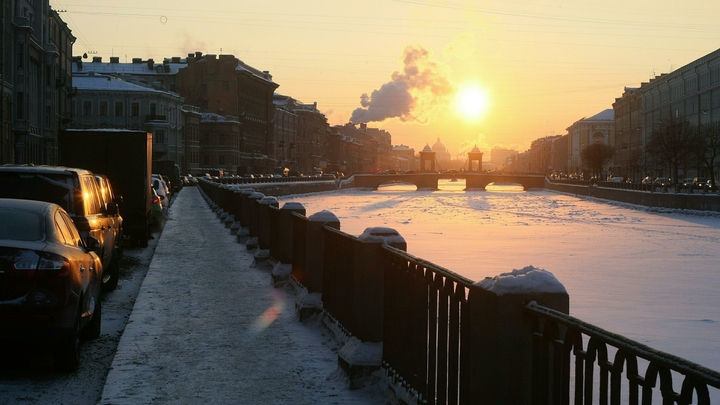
(605, 115)
(108, 83)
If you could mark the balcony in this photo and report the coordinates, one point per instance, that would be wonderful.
(152, 117)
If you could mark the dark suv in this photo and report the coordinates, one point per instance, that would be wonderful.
(77, 191)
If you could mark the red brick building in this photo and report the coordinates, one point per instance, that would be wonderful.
(227, 86)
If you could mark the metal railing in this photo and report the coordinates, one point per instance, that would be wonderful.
(560, 356)
(424, 306)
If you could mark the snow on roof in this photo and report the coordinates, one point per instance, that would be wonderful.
(101, 82)
(605, 115)
(212, 117)
(523, 281)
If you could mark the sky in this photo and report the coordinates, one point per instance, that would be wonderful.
(487, 74)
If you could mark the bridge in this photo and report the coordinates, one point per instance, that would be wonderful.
(473, 181)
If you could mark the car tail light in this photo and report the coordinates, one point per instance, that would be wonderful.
(156, 200)
(41, 265)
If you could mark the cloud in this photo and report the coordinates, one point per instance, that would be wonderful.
(412, 93)
(480, 141)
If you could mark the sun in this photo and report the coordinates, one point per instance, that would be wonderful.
(472, 101)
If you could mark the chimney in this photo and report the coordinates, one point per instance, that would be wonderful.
(198, 55)
(114, 59)
(136, 60)
(363, 126)
(150, 64)
(97, 59)
(175, 59)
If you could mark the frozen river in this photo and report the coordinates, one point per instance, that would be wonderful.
(650, 275)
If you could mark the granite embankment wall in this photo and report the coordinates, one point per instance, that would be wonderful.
(698, 200)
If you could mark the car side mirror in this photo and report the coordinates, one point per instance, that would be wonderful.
(111, 208)
(92, 244)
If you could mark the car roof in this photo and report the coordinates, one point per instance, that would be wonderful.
(27, 205)
(41, 169)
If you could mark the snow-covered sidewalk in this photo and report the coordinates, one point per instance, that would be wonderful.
(209, 327)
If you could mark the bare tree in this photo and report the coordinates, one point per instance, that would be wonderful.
(672, 143)
(596, 156)
(707, 147)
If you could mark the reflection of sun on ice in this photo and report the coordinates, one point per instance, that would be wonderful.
(472, 101)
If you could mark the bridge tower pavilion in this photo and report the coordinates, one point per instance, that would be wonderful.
(475, 156)
(427, 159)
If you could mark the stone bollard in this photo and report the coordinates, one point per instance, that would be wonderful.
(264, 222)
(500, 359)
(362, 354)
(314, 247)
(235, 226)
(243, 215)
(252, 240)
(368, 280)
(286, 234)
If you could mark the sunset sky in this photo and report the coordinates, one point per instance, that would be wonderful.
(485, 73)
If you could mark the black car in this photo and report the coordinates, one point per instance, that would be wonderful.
(50, 281)
(77, 192)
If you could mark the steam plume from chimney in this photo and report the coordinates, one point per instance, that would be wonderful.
(410, 95)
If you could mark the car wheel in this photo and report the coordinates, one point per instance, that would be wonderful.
(93, 328)
(67, 356)
(111, 276)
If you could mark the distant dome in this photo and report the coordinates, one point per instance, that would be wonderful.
(475, 150)
(438, 147)
(427, 148)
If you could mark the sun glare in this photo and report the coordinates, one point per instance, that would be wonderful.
(472, 101)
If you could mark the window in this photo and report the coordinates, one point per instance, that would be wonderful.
(21, 105)
(103, 109)
(153, 109)
(225, 86)
(118, 109)
(135, 108)
(160, 136)
(92, 204)
(87, 107)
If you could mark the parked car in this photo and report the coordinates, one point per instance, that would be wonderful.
(162, 188)
(647, 180)
(108, 196)
(699, 182)
(156, 212)
(50, 280)
(663, 181)
(77, 192)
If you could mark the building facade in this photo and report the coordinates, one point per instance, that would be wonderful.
(600, 128)
(104, 101)
(35, 54)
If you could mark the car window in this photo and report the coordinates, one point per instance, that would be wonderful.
(48, 187)
(91, 195)
(21, 225)
(75, 238)
(63, 233)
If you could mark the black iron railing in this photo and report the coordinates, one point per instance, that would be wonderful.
(560, 356)
(424, 304)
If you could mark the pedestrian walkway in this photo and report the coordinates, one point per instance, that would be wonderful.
(208, 327)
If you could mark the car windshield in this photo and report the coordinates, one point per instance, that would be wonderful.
(46, 187)
(21, 225)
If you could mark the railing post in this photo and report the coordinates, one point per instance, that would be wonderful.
(496, 363)
(252, 240)
(285, 241)
(264, 222)
(314, 247)
(368, 280)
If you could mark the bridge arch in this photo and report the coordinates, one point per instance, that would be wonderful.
(420, 180)
(480, 181)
